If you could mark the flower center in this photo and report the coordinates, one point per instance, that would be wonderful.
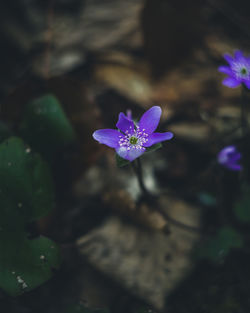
(243, 71)
(133, 140)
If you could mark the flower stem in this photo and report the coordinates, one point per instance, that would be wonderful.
(137, 167)
(244, 122)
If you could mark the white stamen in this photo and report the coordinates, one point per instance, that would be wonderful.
(139, 137)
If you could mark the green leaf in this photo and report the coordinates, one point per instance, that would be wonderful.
(144, 310)
(218, 247)
(80, 308)
(26, 193)
(46, 127)
(242, 206)
(26, 264)
(207, 199)
(154, 147)
(120, 162)
(26, 188)
(4, 132)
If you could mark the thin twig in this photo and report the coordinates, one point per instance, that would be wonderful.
(177, 223)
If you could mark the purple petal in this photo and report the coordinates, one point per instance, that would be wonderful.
(225, 69)
(235, 157)
(150, 119)
(231, 82)
(228, 58)
(234, 167)
(223, 155)
(228, 157)
(131, 154)
(108, 137)
(247, 83)
(125, 124)
(238, 55)
(157, 137)
(227, 150)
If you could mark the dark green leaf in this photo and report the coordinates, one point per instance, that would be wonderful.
(154, 147)
(4, 132)
(144, 310)
(120, 162)
(80, 308)
(26, 193)
(207, 199)
(242, 206)
(218, 247)
(45, 126)
(26, 188)
(25, 264)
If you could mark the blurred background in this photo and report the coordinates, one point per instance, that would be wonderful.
(102, 57)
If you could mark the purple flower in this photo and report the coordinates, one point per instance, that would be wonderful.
(131, 141)
(238, 70)
(228, 157)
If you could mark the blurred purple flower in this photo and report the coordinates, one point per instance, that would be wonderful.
(238, 70)
(228, 157)
(131, 141)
